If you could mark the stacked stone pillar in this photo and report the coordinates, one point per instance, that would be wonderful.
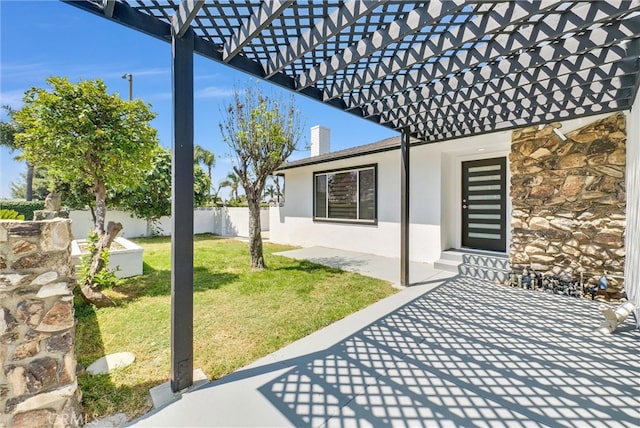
(38, 385)
(568, 196)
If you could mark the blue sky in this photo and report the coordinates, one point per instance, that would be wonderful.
(49, 38)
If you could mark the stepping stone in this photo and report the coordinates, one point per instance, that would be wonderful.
(110, 362)
(113, 421)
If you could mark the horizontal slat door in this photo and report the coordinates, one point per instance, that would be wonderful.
(484, 204)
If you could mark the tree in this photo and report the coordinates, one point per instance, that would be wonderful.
(270, 192)
(262, 132)
(8, 131)
(205, 157)
(215, 196)
(233, 183)
(152, 198)
(82, 134)
(40, 184)
(276, 181)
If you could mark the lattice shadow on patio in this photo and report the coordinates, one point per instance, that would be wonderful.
(470, 354)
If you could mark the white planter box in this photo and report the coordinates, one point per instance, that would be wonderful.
(128, 259)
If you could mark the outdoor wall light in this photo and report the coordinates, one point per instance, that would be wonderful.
(560, 134)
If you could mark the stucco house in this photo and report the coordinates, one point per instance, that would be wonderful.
(548, 197)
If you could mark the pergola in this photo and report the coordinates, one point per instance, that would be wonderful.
(433, 70)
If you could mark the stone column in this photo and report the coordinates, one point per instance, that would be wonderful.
(568, 196)
(38, 385)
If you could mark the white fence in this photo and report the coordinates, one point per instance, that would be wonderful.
(225, 221)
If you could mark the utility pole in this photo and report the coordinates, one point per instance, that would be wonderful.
(129, 76)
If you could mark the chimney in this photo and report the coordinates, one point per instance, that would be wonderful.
(320, 140)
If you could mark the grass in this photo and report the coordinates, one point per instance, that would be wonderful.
(239, 315)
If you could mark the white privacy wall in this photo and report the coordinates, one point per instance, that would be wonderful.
(227, 221)
(632, 244)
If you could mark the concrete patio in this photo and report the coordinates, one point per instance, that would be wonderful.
(448, 352)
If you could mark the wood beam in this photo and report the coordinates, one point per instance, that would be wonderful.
(185, 14)
(107, 7)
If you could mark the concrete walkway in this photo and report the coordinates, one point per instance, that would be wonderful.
(447, 352)
(387, 268)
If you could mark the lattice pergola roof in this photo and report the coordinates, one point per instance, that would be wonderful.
(438, 70)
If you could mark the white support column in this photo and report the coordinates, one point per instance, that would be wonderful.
(632, 244)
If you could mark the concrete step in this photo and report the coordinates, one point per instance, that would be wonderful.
(487, 266)
(447, 265)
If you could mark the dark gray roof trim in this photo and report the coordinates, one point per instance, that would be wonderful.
(385, 145)
(437, 69)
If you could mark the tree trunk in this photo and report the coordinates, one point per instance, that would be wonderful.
(101, 207)
(29, 195)
(255, 237)
(93, 214)
(88, 289)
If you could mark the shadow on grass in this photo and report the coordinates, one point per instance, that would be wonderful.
(158, 283)
(308, 267)
(100, 396)
(167, 239)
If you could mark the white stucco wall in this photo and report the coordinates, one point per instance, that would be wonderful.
(435, 214)
(632, 244)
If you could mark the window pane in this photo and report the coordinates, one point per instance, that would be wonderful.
(342, 189)
(321, 196)
(367, 194)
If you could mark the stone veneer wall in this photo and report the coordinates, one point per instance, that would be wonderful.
(38, 385)
(569, 200)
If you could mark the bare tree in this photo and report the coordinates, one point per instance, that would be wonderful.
(262, 132)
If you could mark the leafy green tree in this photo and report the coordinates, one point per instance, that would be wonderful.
(206, 158)
(262, 132)
(83, 134)
(8, 131)
(152, 198)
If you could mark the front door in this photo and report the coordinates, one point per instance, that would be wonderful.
(484, 200)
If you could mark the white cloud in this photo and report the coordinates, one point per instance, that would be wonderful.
(214, 92)
(21, 72)
(12, 99)
(159, 96)
(137, 73)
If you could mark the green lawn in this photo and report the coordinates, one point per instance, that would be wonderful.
(239, 316)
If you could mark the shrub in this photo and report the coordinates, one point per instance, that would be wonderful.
(26, 208)
(10, 215)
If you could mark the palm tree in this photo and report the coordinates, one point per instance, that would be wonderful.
(276, 181)
(8, 130)
(233, 183)
(207, 158)
(270, 192)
